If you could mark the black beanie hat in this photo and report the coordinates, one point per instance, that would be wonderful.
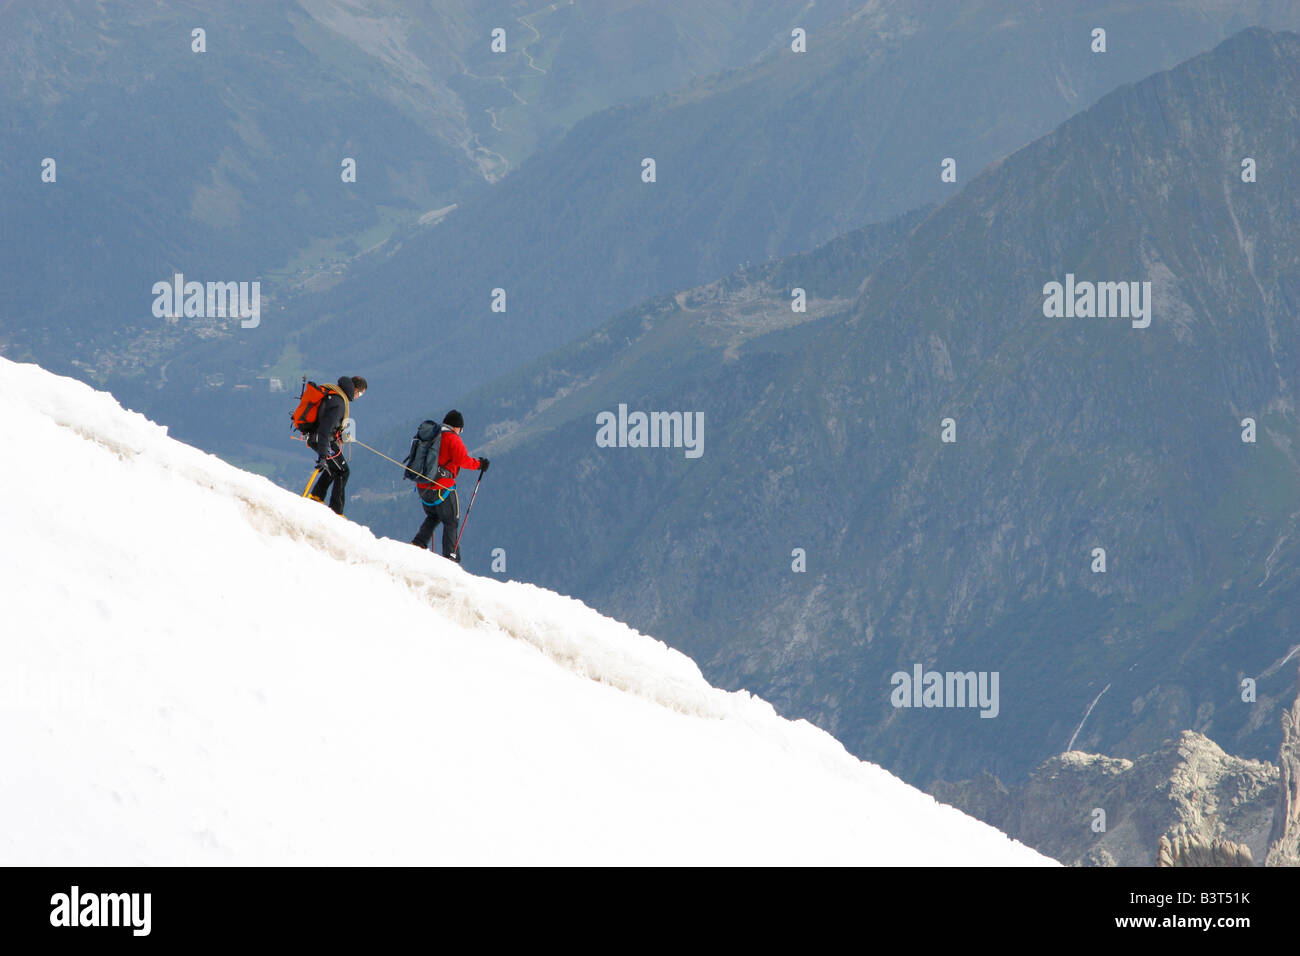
(454, 418)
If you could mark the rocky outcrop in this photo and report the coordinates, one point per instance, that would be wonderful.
(1284, 835)
(1188, 803)
(1181, 848)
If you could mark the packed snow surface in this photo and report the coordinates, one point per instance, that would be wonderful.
(198, 667)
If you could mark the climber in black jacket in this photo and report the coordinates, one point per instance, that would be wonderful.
(326, 441)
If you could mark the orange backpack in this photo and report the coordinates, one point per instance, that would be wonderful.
(309, 402)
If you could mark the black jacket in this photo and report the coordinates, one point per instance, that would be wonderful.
(330, 419)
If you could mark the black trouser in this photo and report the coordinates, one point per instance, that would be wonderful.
(334, 472)
(446, 511)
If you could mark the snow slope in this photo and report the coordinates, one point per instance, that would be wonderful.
(197, 667)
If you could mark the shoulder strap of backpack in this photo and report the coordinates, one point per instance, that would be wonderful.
(435, 448)
(437, 468)
(334, 389)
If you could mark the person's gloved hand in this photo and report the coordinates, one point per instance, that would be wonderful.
(483, 465)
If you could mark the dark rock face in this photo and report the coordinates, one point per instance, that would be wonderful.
(1072, 435)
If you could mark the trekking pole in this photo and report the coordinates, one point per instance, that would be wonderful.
(310, 481)
(468, 510)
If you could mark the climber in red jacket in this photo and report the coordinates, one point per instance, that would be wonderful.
(439, 495)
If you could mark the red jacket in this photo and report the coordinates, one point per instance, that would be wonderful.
(452, 456)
